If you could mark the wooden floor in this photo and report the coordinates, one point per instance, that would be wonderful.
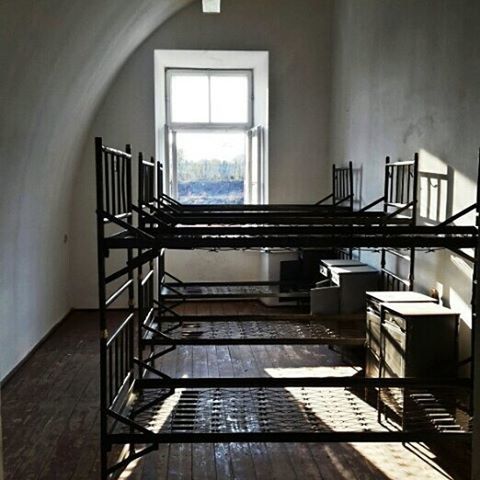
(50, 417)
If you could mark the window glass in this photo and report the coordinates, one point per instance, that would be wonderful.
(210, 167)
(229, 98)
(189, 98)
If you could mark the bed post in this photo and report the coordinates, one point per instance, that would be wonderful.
(334, 185)
(350, 174)
(102, 308)
(131, 288)
(383, 254)
(411, 276)
(140, 312)
(475, 370)
(160, 257)
(159, 182)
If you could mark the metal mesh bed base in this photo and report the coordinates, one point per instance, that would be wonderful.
(260, 330)
(272, 414)
(230, 291)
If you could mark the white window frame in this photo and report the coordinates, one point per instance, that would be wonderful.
(173, 128)
(209, 73)
(256, 61)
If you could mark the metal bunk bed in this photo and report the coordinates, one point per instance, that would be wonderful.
(168, 213)
(141, 407)
(398, 202)
(400, 198)
(400, 192)
(341, 198)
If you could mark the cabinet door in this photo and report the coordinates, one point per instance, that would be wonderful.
(439, 359)
(372, 365)
(372, 360)
(373, 332)
(394, 342)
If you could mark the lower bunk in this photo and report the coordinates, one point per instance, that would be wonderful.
(234, 290)
(332, 404)
(274, 410)
(286, 409)
(286, 329)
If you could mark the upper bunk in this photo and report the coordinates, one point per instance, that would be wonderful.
(160, 211)
(144, 225)
(341, 199)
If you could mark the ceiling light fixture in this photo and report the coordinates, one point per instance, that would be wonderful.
(211, 6)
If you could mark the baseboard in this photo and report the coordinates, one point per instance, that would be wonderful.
(20, 364)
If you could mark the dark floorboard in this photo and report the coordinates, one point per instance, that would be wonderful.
(51, 419)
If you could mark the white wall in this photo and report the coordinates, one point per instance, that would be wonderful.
(406, 78)
(1, 441)
(57, 59)
(297, 34)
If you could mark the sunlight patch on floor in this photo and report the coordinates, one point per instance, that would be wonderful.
(130, 468)
(394, 460)
(155, 425)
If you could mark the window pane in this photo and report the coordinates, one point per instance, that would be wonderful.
(229, 98)
(211, 167)
(189, 98)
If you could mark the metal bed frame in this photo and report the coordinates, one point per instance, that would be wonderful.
(133, 393)
(170, 212)
(170, 328)
(341, 198)
(400, 195)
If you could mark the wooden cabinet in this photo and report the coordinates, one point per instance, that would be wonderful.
(415, 339)
(424, 335)
(375, 300)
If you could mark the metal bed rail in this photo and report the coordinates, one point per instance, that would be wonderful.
(314, 382)
(399, 236)
(116, 170)
(391, 281)
(146, 187)
(119, 353)
(400, 194)
(342, 185)
(342, 193)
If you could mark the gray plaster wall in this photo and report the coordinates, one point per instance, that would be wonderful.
(1, 442)
(58, 58)
(406, 78)
(297, 35)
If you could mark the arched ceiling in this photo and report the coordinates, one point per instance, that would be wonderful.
(57, 57)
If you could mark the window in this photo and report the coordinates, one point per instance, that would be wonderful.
(214, 152)
(211, 98)
(211, 121)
